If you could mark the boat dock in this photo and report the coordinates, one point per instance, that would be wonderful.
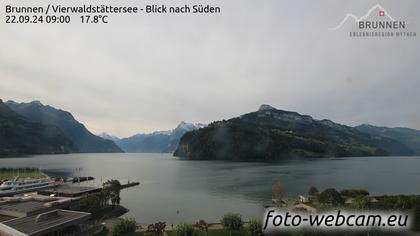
(129, 185)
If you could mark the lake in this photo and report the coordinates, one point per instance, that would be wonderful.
(175, 190)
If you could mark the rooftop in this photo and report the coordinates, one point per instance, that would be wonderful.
(45, 223)
(69, 190)
(23, 208)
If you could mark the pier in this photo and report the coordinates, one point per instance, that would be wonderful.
(129, 185)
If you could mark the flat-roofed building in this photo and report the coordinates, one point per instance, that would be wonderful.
(23, 208)
(56, 222)
(69, 190)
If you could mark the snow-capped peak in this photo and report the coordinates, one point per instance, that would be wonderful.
(108, 136)
(189, 126)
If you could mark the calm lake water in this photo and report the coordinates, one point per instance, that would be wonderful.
(174, 190)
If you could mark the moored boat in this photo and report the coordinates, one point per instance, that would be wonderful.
(17, 186)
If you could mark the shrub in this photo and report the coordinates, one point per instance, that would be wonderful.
(313, 191)
(330, 196)
(231, 221)
(255, 228)
(361, 203)
(124, 227)
(354, 192)
(185, 230)
(202, 225)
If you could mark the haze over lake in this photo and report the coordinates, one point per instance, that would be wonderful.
(175, 190)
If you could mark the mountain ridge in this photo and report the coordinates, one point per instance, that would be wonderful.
(271, 134)
(82, 138)
(406, 136)
(157, 141)
(19, 136)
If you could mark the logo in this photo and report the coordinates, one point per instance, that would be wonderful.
(381, 13)
(377, 22)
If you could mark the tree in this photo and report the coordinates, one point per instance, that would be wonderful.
(313, 191)
(91, 203)
(354, 192)
(403, 202)
(255, 228)
(203, 226)
(124, 227)
(361, 203)
(186, 230)
(157, 229)
(231, 221)
(330, 196)
(113, 188)
(103, 197)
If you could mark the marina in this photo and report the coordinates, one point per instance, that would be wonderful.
(53, 206)
(18, 186)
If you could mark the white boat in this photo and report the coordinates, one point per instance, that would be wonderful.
(16, 186)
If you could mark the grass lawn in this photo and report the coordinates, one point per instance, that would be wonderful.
(6, 174)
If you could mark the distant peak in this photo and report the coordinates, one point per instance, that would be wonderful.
(36, 102)
(108, 136)
(264, 107)
(189, 126)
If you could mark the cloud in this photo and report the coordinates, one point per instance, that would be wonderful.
(143, 73)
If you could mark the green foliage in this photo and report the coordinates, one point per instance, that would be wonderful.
(313, 191)
(330, 196)
(202, 225)
(354, 192)
(212, 232)
(124, 227)
(95, 203)
(186, 230)
(113, 188)
(398, 202)
(91, 203)
(275, 135)
(361, 203)
(308, 233)
(231, 221)
(255, 228)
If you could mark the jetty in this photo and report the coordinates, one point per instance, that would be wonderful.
(129, 185)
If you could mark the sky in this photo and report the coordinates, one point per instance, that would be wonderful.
(142, 73)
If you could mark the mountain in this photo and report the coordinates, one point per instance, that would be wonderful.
(83, 139)
(270, 134)
(19, 136)
(406, 136)
(157, 142)
(108, 137)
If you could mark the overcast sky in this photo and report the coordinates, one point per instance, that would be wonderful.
(149, 72)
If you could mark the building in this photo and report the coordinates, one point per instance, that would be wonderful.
(303, 199)
(21, 207)
(56, 222)
(67, 190)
